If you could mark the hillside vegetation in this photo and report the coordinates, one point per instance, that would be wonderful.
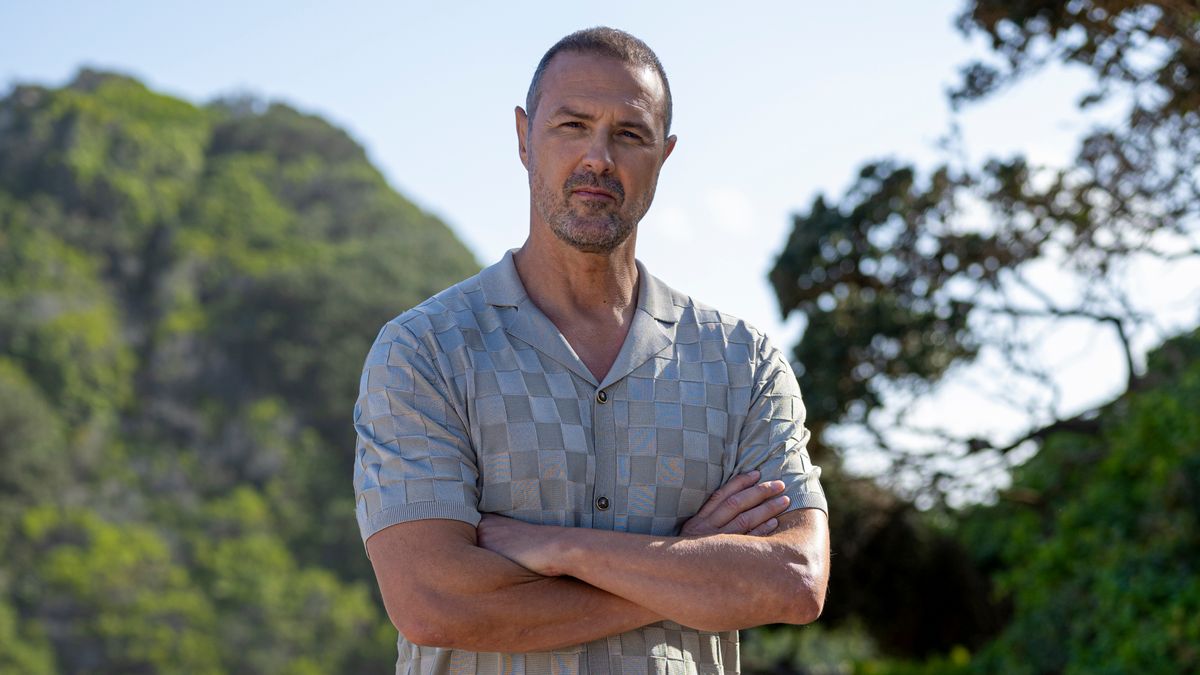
(186, 297)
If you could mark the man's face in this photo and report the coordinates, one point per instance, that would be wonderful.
(594, 149)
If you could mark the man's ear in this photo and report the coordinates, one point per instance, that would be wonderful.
(523, 136)
(669, 146)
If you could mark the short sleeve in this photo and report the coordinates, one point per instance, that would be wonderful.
(413, 456)
(774, 439)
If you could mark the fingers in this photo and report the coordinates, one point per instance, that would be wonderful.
(748, 521)
(741, 504)
(764, 529)
(736, 484)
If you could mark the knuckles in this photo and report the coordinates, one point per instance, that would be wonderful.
(742, 523)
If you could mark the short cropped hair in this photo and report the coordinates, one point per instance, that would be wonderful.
(602, 41)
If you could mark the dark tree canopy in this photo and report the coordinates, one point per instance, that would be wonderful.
(901, 281)
(915, 275)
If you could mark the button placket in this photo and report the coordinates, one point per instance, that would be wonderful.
(604, 430)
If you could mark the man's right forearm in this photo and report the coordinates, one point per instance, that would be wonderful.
(480, 601)
(540, 615)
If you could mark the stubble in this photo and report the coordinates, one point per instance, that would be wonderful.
(589, 226)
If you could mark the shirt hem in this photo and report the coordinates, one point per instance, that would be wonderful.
(808, 501)
(404, 513)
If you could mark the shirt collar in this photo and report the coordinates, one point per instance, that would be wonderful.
(502, 287)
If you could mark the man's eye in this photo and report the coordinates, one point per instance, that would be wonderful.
(572, 125)
(633, 135)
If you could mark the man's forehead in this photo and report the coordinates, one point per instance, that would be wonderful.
(579, 76)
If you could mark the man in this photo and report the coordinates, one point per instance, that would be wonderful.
(589, 413)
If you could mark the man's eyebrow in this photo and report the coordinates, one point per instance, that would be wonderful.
(640, 127)
(566, 111)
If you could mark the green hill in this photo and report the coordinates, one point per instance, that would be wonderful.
(186, 297)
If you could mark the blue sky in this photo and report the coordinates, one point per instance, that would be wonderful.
(775, 102)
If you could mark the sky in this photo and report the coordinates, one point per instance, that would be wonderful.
(775, 103)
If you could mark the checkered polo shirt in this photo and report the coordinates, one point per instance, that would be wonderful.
(473, 402)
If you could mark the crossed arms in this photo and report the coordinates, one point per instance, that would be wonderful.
(510, 586)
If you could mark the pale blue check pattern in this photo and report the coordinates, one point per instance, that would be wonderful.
(473, 402)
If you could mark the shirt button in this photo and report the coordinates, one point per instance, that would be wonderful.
(602, 396)
(602, 503)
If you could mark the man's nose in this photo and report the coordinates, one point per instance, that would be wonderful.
(598, 157)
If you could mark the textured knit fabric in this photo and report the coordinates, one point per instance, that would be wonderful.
(473, 402)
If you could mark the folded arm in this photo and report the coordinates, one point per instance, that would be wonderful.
(442, 589)
(712, 582)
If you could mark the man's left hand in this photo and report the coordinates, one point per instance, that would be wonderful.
(530, 546)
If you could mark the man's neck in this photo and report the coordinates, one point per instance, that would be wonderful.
(572, 285)
(590, 298)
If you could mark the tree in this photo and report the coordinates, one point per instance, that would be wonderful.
(109, 597)
(914, 275)
(186, 297)
(57, 319)
(899, 284)
(1105, 572)
(33, 466)
(23, 651)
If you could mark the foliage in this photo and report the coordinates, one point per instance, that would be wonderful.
(812, 649)
(911, 276)
(186, 296)
(1098, 541)
(33, 462)
(1096, 546)
(60, 322)
(23, 649)
(1104, 569)
(112, 594)
(907, 277)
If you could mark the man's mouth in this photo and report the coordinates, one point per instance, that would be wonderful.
(591, 193)
(595, 189)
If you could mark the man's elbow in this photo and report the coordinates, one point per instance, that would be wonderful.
(806, 599)
(806, 572)
(427, 624)
(797, 597)
(429, 634)
(808, 605)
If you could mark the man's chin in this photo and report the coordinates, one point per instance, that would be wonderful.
(593, 239)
